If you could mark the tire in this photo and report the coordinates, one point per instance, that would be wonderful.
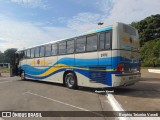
(71, 81)
(23, 75)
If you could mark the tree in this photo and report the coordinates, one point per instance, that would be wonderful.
(149, 34)
(149, 28)
(150, 53)
(1, 57)
(9, 55)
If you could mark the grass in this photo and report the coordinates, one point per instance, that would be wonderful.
(150, 67)
(4, 70)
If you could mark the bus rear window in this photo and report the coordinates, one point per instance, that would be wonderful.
(129, 30)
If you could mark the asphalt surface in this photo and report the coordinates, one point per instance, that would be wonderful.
(143, 96)
(28, 95)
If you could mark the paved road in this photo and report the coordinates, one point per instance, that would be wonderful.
(17, 95)
(143, 96)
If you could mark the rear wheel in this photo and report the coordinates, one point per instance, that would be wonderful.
(70, 81)
(23, 75)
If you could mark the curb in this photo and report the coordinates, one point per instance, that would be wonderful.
(154, 70)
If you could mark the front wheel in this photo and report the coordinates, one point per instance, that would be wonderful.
(70, 81)
(23, 75)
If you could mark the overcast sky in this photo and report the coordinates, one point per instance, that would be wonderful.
(25, 23)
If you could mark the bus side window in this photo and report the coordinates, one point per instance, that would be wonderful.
(105, 40)
(108, 40)
(25, 54)
(32, 53)
(70, 46)
(21, 55)
(28, 53)
(42, 51)
(92, 42)
(54, 49)
(102, 41)
(48, 50)
(62, 47)
(81, 44)
(37, 52)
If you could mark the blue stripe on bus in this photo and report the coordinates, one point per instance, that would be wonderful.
(78, 62)
(43, 77)
(107, 81)
(103, 29)
(32, 72)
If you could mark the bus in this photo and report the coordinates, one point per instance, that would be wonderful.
(105, 57)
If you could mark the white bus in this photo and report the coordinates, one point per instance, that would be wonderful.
(106, 57)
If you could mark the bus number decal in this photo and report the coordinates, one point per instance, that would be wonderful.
(104, 55)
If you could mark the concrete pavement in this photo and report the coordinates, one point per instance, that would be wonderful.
(143, 96)
(17, 95)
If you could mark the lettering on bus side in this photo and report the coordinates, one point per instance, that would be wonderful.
(104, 55)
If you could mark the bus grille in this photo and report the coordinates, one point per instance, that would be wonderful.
(97, 74)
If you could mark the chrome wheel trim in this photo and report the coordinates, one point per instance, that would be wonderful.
(70, 81)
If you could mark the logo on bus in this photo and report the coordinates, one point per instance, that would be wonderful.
(38, 61)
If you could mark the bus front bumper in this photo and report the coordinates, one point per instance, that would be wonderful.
(125, 79)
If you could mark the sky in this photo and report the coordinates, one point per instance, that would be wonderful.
(26, 23)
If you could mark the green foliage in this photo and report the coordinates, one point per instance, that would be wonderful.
(149, 34)
(150, 53)
(3, 70)
(1, 57)
(148, 29)
(8, 56)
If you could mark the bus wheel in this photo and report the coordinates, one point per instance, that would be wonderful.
(23, 75)
(70, 81)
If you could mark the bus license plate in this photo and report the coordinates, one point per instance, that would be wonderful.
(132, 77)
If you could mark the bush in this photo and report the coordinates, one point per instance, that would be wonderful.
(150, 53)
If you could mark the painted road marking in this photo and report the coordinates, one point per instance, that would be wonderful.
(117, 107)
(5, 81)
(154, 70)
(80, 108)
(5, 78)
